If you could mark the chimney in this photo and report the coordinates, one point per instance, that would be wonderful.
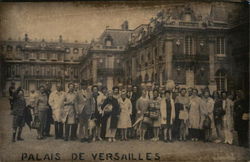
(26, 38)
(60, 39)
(125, 25)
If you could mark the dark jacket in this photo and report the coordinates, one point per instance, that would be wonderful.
(19, 105)
(240, 107)
(114, 113)
(218, 111)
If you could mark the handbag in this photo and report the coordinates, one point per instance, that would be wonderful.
(147, 120)
(207, 123)
(35, 124)
(108, 108)
(154, 114)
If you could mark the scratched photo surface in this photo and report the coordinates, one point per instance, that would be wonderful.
(124, 81)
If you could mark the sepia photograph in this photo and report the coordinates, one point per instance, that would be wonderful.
(132, 80)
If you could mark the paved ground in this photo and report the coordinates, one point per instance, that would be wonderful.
(51, 149)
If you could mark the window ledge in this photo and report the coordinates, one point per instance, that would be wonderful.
(220, 55)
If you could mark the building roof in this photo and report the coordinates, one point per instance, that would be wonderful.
(119, 37)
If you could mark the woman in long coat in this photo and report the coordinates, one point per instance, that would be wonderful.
(167, 115)
(228, 119)
(56, 101)
(111, 110)
(195, 116)
(69, 116)
(124, 121)
(207, 109)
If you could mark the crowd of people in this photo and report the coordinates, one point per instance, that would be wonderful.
(144, 112)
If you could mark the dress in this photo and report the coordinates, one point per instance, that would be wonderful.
(167, 112)
(228, 120)
(112, 117)
(126, 110)
(157, 103)
(195, 112)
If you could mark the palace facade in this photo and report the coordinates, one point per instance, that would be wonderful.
(195, 44)
(31, 63)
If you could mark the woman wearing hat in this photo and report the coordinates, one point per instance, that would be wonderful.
(124, 121)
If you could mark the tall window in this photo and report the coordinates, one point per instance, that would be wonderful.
(189, 45)
(220, 45)
(221, 79)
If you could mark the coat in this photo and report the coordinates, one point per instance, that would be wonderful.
(56, 101)
(207, 109)
(114, 113)
(164, 111)
(69, 110)
(81, 100)
(228, 117)
(142, 105)
(240, 107)
(195, 113)
(125, 112)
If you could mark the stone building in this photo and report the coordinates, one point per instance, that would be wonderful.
(103, 62)
(30, 63)
(191, 44)
(195, 44)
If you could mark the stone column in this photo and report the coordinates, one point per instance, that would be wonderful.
(211, 52)
(94, 70)
(168, 57)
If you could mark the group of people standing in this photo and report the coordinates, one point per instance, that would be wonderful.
(143, 112)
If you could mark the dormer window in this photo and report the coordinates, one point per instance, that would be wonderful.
(108, 41)
(9, 48)
(67, 50)
(76, 51)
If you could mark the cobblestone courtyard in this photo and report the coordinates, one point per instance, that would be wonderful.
(51, 149)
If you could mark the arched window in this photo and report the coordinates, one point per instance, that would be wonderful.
(221, 79)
